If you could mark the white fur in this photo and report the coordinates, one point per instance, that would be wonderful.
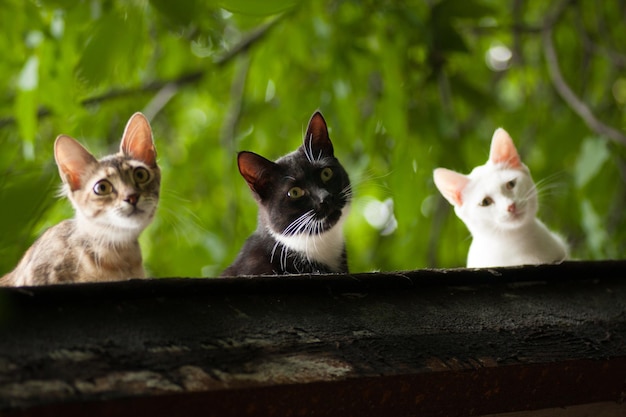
(111, 229)
(531, 244)
(325, 248)
(506, 231)
(501, 238)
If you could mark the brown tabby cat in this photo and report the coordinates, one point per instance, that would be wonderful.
(114, 198)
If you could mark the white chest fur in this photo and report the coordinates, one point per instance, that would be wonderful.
(325, 248)
(532, 244)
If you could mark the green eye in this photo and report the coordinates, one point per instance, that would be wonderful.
(327, 174)
(103, 187)
(295, 193)
(141, 175)
(487, 201)
(510, 184)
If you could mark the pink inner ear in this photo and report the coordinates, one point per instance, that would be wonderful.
(137, 140)
(316, 139)
(73, 160)
(503, 150)
(451, 185)
(248, 167)
(255, 169)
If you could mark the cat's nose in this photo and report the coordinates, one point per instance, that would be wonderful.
(323, 196)
(511, 208)
(132, 199)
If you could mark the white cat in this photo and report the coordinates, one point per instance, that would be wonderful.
(498, 204)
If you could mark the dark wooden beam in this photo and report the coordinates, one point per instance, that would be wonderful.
(424, 342)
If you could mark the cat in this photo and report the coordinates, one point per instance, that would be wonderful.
(497, 202)
(303, 200)
(114, 199)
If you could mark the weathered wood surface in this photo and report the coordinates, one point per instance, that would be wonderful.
(425, 342)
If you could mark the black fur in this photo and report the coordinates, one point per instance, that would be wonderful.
(271, 183)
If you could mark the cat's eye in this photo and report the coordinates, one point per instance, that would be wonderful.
(103, 187)
(141, 175)
(511, 184)
(487, 201)
(327, 174)
(295, 193)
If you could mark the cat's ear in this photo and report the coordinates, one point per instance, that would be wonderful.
(137, 140)
(257, 171)
(450, 185)
(73, 160)
(317, 143)
(503, 150)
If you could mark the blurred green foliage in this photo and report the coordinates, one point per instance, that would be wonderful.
(404, 86)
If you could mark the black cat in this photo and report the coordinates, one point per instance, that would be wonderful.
(303, 198)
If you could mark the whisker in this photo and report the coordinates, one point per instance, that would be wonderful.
(284, 256)
(308, 151)
(369, 177)
(169, 193)
(273, 251)
(296, 225)
(347, 192)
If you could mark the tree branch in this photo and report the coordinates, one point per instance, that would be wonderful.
(229, 129)
(248, 40)
(565, 91)
(168, 87)
(159, 100)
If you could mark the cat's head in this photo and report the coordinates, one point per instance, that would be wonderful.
(304, 192)
(119, 192)
(497, 196)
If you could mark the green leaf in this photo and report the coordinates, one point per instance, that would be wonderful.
(26, 118)
(462, 86)
(29, 194)
(444, 15)
(115, 49)
(449, 39)
(182, 13)
(25, 105)
(449, 9)
(258, 8)
(596, 235)
(593, 154)
(29, 77)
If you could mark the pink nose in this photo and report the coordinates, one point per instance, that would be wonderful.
(132, 199)
(511, 208)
